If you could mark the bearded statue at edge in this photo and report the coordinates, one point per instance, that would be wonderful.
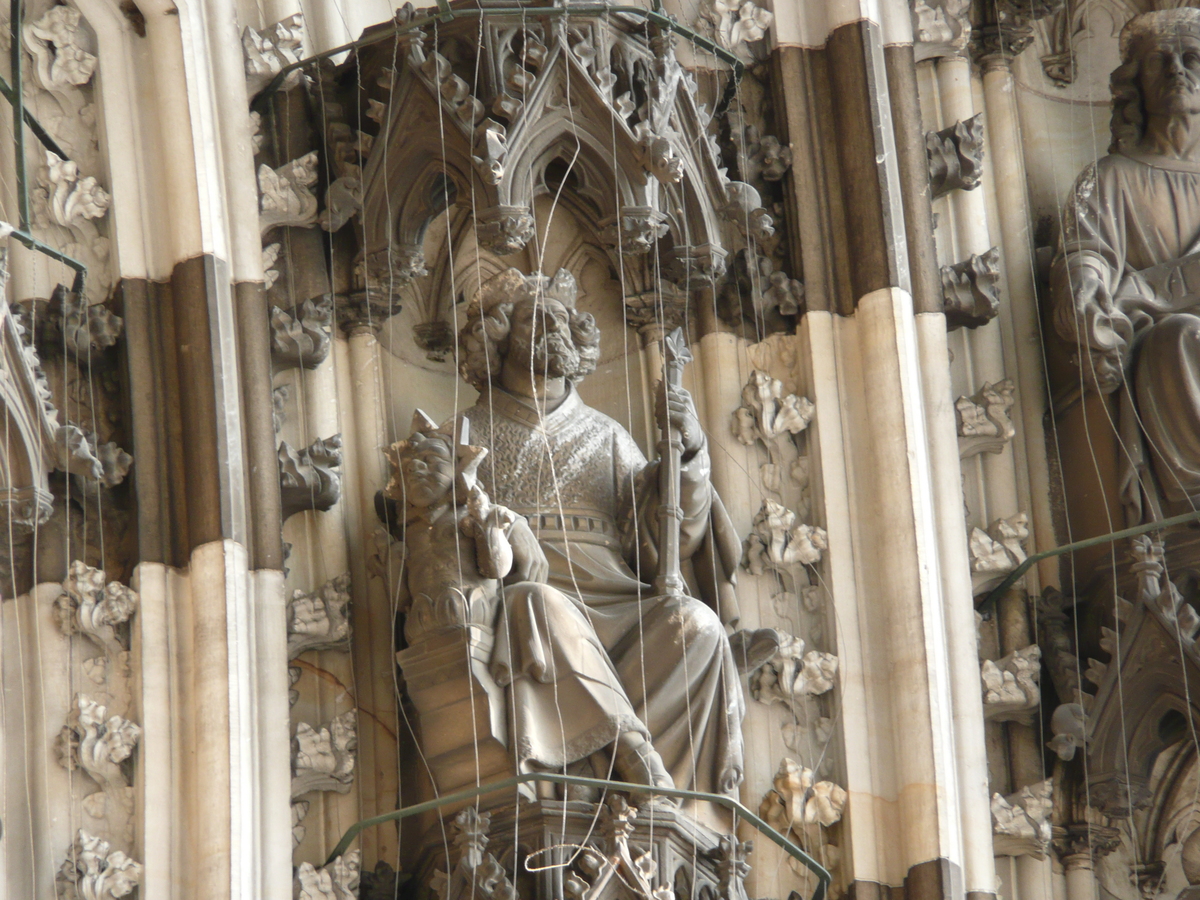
(1126, 282)
(591, 501)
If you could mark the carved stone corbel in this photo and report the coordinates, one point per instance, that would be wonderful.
(323, 759)
(336, 881)
(307, 478)
(60, 60)
(997, 551)
(300, 337)
(971, 290)
(92, 870)
(797, 799)
(955, 156)
(70, 198)
(319, 620)
(266, 52)
(285, 194)
(1084, 844)
(983, 422)
(1010, 686)
(1021, 821)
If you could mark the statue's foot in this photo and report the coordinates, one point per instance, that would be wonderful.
(639, 763)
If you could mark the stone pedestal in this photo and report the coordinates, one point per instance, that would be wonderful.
(462, 724)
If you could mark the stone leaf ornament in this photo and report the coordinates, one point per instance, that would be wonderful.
(319, 620)
(1021, 821)
(307, 478)
(300, 337)
(94, 871)
(955, 156)
(285, 194)
(797, 799)
(93, 606)
(791, 674)
(1010, 686)
(971, 290)
(997, 551)
(266, 52)
(336, 881)
(60, 60)
(767, 415)
(735, 23)
(984, 425)
(777, 543)
(323, 759)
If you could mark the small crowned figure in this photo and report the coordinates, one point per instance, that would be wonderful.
(457, 542)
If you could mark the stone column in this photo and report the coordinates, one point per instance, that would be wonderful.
(1079, 847)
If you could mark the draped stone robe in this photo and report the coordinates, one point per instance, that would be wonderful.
(592, 501)
(1135, 220)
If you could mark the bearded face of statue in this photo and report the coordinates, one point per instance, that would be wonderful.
(540, 339)
(1169, 75)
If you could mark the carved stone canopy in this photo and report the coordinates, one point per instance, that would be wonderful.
(585, 109)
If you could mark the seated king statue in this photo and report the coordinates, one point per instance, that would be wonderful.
(1126, 281)
(592, 502)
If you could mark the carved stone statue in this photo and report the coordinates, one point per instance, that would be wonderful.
(565, 699)
(589, 508)
(1126, 282)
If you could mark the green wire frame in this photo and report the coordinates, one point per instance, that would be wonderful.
(823, 876)
(447, 14)
(21, 116)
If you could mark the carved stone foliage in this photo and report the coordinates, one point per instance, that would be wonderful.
(732, 868)
(477, 872)
(67, 323)
(319, 620)
(790, 674)
(323, 759)
(300, 337)
(997, 551)
(92, 870)
(268, 51)
(623, 869)
(66, 206)
(940, 27)
(777, 543)
(733, 23)
(971, 290)
(984, 425)
(768, 416)
(285, 194)
(1010, 686)
(338, 880)
(797, 800)
(308, 478)
(97, 743)
(1011, 31)
(1021, 821)
(60, 60)
(955, 156)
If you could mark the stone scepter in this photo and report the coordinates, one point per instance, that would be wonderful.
(669, 579)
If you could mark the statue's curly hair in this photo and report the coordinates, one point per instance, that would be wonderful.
(483, 342)
(1128, 123)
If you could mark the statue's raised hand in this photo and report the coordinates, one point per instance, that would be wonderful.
(529, 561)
(675, 406)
